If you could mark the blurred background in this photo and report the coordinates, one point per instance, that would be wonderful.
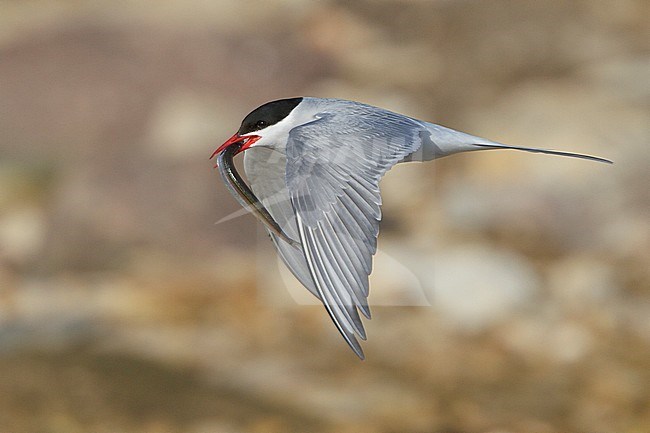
(125, 308)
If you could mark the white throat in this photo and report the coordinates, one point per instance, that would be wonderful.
(277, 135)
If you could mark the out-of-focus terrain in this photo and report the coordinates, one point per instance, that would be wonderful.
(124, 308)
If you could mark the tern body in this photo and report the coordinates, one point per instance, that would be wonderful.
(314, 167)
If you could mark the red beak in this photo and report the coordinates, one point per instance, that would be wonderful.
(248, 141)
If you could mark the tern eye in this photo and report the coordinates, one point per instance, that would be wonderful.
(260, 124)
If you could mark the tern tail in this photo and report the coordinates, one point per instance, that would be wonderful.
(438, 141)
(546, 151)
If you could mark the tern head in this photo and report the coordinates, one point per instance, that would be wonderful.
(266, 126)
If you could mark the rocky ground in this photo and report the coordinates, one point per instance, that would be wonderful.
(511, 292)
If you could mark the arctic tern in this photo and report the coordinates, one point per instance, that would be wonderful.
(314, 167)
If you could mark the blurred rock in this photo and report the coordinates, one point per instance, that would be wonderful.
(580, 283)
(22, 234)
(183, 122)
(475, 287)
(562, 342)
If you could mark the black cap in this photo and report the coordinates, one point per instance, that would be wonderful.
(268, 114)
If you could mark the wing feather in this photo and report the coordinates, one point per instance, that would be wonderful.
(336, 281)
(334, 309)
(334, 165)
(353, 244)
(355, 282)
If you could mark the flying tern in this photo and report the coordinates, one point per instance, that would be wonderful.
(314, 167)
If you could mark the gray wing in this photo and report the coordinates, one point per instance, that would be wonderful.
(265, 171)
(334, 166)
